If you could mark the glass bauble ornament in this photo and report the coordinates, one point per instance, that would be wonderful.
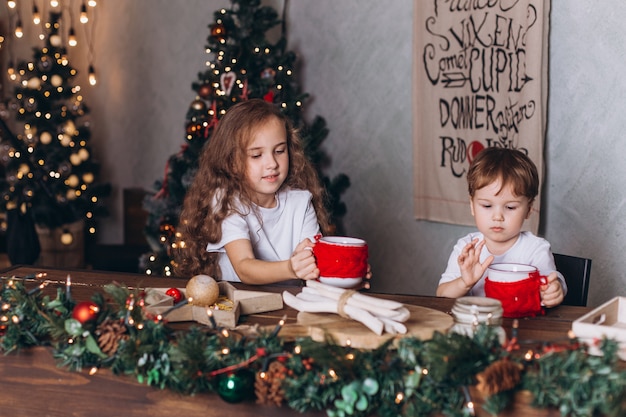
(34, 83)
(45, 138)
(56, 80)
(55, 40)
(88, 177)
(205, 91)
(85, 311)
(198, 104)
(237, 386)
(75, 159)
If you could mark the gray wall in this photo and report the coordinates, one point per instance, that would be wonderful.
(356, 62)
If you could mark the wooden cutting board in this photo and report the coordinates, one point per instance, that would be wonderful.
(422, 324)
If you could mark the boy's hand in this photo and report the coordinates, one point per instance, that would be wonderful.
(552, 292)
(302, 261)
(469, 263)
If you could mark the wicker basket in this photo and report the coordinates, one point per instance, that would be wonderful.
(62, 247)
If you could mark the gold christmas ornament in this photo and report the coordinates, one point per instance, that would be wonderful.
(34, 83)
(71, 194)
(70, 127)
(203, 290)
(198, 104)
(56, 80)
(83, 154)
(67, 238)
(24, 169)
(75, 159)
(72, 181)
(65, 140)
(55, 40)
(88, 177)
(45, 138)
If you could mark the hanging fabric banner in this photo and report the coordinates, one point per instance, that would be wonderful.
(480, 79)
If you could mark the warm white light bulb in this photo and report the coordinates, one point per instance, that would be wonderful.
(54, 3)
(36, 15)
(92, 76)
(19, 32)
(71, 39)
(11, 4)
(11, 72)
(83, 14)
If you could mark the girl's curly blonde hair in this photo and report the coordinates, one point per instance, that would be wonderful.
(221, 178)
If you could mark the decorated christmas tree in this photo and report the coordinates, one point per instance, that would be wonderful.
(50, 175)
(242, 64)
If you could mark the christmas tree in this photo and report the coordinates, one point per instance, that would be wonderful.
(50, 175)
(243, 64)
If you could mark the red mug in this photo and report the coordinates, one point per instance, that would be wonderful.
(517, 286)
(342, 260)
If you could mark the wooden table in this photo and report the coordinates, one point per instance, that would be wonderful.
(32, 385)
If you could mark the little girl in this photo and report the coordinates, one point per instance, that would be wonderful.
(255, 204)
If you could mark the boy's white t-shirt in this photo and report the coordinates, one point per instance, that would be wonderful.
(275, 236)
(529, 249)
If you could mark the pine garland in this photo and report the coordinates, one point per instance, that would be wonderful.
(414, 377)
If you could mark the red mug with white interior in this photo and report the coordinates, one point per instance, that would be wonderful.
(517, 286)
(342, 260)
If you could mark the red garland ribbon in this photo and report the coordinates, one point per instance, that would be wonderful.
(213, 122)
(260, 352)
(244, 92)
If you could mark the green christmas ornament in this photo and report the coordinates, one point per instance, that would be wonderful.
(235, 387)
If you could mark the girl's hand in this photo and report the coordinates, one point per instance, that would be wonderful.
(302, 261)
(552, 292)
(469, 263)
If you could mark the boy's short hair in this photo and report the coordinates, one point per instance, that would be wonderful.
(510, 166)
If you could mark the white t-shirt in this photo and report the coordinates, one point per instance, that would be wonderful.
(273, 237)
(529, 249)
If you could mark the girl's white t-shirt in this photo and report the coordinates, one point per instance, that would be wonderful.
(275, 235)
(529, 249)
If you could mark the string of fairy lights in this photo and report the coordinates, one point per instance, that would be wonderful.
(74, 14)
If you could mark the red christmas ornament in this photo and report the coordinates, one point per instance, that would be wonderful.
(205, 91)
(176, 294)
(85, 311)
(269, 97)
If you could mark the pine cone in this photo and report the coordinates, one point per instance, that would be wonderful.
(268, 388)
(110, 333)
(502, 375)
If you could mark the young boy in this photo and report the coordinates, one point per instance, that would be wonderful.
(503, 184)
